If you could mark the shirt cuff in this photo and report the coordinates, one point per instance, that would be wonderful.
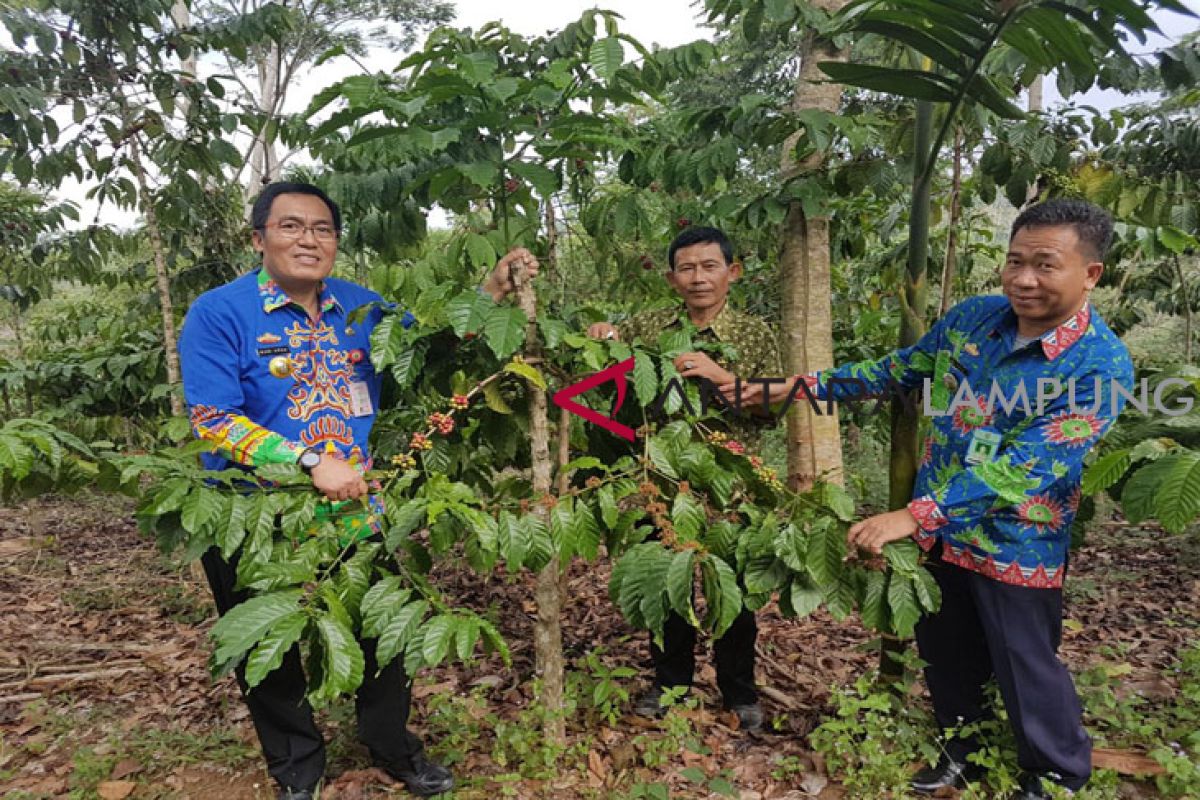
(929, 518)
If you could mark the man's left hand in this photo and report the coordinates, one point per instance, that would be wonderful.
(699, 365)
(874, 532)
(500, 282)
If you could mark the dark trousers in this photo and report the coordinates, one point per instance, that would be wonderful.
(987, 629)
(293, 747)
(675, 661)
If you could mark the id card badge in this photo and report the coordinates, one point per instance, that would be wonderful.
(983, 448)
(360, 399)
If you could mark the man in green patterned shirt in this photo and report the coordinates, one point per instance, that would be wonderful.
(702, 268)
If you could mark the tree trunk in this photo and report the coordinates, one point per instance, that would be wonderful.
(547, 631)
(163, 282)
(264, 161)
(1036, 93)
(1187, 311)
(902, 469)
(181, 18)
(1036, 104)
(19, 338)
(950, 265)
(814, 445)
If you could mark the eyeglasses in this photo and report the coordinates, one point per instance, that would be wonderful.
(291, 229)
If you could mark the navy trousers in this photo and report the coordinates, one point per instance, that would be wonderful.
(292, 745)
(675, 661)
(988, 629)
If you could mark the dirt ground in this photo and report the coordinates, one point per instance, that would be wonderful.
(105, 691)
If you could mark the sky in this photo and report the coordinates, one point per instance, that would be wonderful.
(664, 22)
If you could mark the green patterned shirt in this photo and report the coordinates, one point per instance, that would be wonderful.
(747, 348)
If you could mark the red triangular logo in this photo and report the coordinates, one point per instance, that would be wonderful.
(616, 373)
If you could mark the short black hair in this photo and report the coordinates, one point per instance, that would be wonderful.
(1092, 224)
(266, 198)
(701, 234)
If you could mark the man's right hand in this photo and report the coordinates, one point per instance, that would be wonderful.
(603, 330)
(337, 480)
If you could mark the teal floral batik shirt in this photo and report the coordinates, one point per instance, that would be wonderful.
(999, 478)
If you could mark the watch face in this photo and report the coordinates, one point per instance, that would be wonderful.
(309, 459)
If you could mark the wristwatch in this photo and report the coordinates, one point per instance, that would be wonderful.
(308, 460)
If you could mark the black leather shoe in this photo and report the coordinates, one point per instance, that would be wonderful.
(1031, 789)
(750, 717)
(649, 705)
(292, 793)
(425, 779)
(946, 773)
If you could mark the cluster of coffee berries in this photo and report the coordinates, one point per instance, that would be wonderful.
(404, 461)
(768, 476)
(459, 402)
(444, 423)
(420, 442)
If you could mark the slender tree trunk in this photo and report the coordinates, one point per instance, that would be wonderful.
(181, 18)
(950, 265)
(1036, 104)
(564, 417)
(264, 160)
(902, 470)
(162, 280)
(547, 631)
(19, 338)
(1036, 93)
(814, 444)
(1187, 311)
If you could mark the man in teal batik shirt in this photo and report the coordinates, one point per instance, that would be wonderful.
(999, 485)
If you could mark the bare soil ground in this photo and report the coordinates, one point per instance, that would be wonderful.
(105, 692)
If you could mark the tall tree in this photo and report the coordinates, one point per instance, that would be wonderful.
(319, 31)
(814, 442)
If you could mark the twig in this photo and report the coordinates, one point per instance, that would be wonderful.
(70, 678)
(20, 698)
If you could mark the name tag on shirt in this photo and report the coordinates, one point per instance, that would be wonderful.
(983, 447)
(360, 399)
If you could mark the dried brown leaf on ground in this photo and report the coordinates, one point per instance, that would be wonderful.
(104, 599)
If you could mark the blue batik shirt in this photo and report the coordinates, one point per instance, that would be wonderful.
(999, 480)
(264, 381)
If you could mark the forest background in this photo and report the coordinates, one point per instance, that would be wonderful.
(866, 158)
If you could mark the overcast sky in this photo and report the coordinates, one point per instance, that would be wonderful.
(664, 22)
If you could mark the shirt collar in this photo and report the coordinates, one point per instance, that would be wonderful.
(1057, 341)
(274, 297)
(721, 325)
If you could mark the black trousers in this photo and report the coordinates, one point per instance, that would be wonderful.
(293, 747)
(987, 629)
(675, 661)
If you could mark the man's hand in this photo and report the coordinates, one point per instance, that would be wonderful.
(500, 282)
(699, 365)
(874, 532)
(337, 480)
(603, 330)
(752, 393)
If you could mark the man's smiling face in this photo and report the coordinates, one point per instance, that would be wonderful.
(1047, 276)
(297, 265)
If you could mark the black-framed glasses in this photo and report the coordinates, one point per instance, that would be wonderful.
(294, 229)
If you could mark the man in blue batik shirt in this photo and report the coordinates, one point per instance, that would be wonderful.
(275, 372)
(999, 485)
